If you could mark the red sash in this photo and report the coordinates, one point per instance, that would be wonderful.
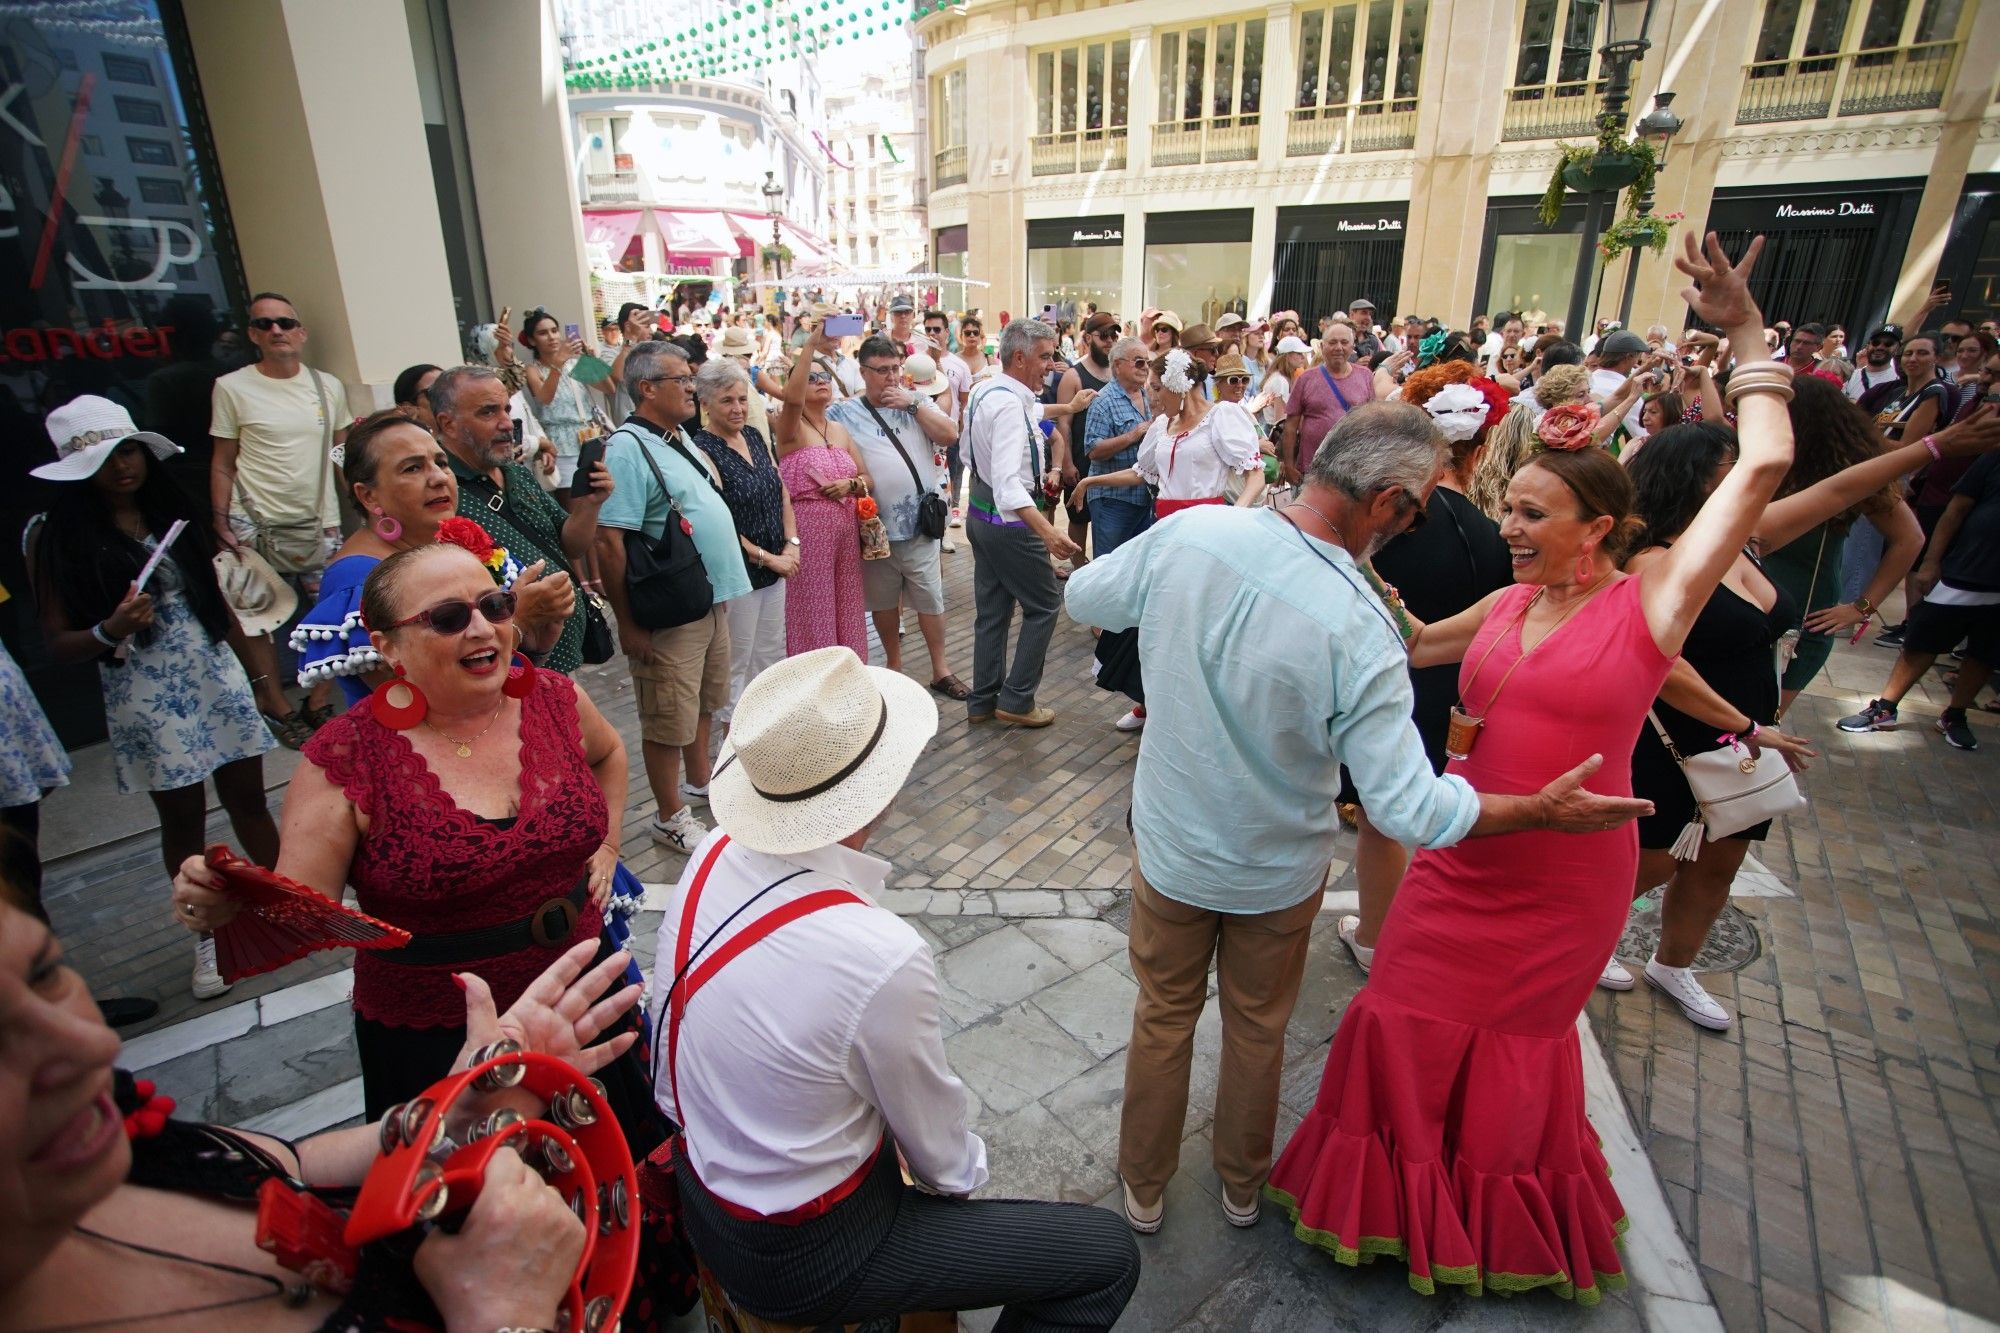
(679, 995)
(1162, 508)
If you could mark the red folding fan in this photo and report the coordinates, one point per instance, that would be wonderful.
(283, 920)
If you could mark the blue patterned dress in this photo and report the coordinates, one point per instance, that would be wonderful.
(31, 759)
(179, 707)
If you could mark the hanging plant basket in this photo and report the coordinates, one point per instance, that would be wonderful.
(1611, 163)
(776, 254)
(1601, 171)
(1650, 232)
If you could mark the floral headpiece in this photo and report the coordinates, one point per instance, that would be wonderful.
(1568, 427)
(1459, 411)
(1461, 401)
(1831, 376)
(461, 531)
(1175, 376)
(1429, 349)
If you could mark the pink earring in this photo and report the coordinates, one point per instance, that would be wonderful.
(1583, 567)
(386, 526)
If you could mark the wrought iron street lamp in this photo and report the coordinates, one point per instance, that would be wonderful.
(1658, 127)
(774, 200)
(1602, 177)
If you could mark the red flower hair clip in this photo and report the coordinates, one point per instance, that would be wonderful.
(461, 531)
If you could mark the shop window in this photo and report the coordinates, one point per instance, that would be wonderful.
(1367, 55)
(139, 111)
(1213, 73)
(157, 191)
(1559, 47)
(1081, 95)
(127, 69)
(149, 152)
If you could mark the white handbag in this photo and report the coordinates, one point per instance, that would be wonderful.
(1733, 789)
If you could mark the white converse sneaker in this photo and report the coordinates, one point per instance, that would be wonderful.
(207, 982)
(683, 833)
(1241, 1217)
(1679, 985)
(1349, 927)
(1132, 721)
(1145, 1221)
(1615, 977)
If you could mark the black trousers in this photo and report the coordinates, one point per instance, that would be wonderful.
(889, 1250)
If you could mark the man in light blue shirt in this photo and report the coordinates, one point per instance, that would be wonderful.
(1269, 663)
(680, 675)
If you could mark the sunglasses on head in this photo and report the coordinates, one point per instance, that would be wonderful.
(265, 323)
(452, 617)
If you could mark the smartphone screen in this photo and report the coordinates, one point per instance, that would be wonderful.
(571, 332)
(842, 326)
(587, 457)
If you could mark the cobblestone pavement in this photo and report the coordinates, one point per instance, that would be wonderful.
(1825, 1160)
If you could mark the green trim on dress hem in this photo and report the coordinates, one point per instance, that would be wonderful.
(1468, 1276)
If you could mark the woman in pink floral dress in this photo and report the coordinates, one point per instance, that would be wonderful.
(822, 469)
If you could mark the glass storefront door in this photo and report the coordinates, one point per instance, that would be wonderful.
(1200, 283)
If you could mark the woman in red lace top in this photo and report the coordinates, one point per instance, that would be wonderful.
(480, 827)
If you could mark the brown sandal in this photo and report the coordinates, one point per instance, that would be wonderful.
(951, 687)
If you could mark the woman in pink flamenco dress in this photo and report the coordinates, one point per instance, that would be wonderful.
(823, 472)
(1449, 1130)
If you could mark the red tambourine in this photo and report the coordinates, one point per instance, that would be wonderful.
(423, 1175)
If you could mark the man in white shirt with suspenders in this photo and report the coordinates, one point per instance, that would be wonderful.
(798, 1044)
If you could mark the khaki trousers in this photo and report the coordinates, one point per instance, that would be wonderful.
(1259, 961)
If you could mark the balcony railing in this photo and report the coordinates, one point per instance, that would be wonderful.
(613, 186)
(1072, 151)
(1857, 83)
(1177, 143)
(950, 166)
(1552, 111)
(1369, 127)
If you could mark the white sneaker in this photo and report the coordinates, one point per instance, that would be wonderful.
(683, 833)
(690, 792)
(950, 546)
(1349, 927)
(1615, 977)
(1145, 1221)
(1679, 985)
(207, 982)
(1132, 721)
(1241, 1217)
(958, 518)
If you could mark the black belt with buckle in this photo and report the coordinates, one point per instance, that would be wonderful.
(552, 924)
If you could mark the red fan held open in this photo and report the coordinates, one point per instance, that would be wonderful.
(283, 920)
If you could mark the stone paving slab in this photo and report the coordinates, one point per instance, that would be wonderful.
(1834, 1161)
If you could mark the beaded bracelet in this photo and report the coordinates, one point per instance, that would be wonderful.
(1390, 599)
(97, 632)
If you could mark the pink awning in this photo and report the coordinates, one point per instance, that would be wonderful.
(755, 233)
(611, 230)
(695, 235)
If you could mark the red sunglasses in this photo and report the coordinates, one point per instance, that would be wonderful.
(452, 617)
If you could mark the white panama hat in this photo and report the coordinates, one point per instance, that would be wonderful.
(87, 430)
(820, 744)
(924, 375)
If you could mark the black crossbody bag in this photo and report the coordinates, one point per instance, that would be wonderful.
(666, 583)
(932, 512)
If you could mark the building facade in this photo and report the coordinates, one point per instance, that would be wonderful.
(1178, 154)
(875, 211)
(400, 169)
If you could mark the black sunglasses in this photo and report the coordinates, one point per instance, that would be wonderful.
(452, 617)
(265, 323)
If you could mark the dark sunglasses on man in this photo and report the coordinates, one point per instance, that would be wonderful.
(265, 323)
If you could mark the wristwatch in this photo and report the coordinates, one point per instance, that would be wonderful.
(1865, 607)
(792, 541)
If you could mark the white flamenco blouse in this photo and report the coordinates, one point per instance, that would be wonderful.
(1198, 465)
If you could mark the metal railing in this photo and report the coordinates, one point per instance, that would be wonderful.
(1072, 151)
(613, 186)
(1178, 143)
(950, 164)
(1367, 127)
(1852, 83)
(1552, 110)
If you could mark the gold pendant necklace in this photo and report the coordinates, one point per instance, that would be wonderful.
(465, 746)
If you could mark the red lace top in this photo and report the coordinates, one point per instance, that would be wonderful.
(431, 867)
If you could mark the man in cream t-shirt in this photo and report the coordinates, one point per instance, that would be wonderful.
(270, 470)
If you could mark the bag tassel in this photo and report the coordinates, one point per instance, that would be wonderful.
(1687, 847)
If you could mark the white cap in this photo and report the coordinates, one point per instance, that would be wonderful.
(1291, 342)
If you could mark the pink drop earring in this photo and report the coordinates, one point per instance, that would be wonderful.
(386, 526)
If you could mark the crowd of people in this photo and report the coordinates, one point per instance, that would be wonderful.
(1488, 590)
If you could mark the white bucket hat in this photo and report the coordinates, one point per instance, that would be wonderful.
(261, 599)
(924, 376)
(86, 430)
(819, 745)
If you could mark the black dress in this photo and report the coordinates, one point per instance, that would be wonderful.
(1731, 646)
(1440, 569)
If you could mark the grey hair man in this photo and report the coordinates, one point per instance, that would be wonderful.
(680, 671)
(1012, 542)
(1313, 654)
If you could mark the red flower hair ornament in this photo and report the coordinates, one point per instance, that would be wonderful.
(462, 531)
(1568, 427)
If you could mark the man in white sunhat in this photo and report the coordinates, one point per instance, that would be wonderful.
(799, 1046)
(926, 378)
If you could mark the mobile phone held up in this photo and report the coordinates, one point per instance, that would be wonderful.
(842, 326)
(588, 455)
(572, 332)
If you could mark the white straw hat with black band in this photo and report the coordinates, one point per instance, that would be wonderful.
(819, 745)
(86, 430)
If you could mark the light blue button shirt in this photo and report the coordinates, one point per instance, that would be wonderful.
(1266, 669)
(637, 505)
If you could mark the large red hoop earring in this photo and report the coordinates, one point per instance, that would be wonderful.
(399, 703)
(520, 682)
